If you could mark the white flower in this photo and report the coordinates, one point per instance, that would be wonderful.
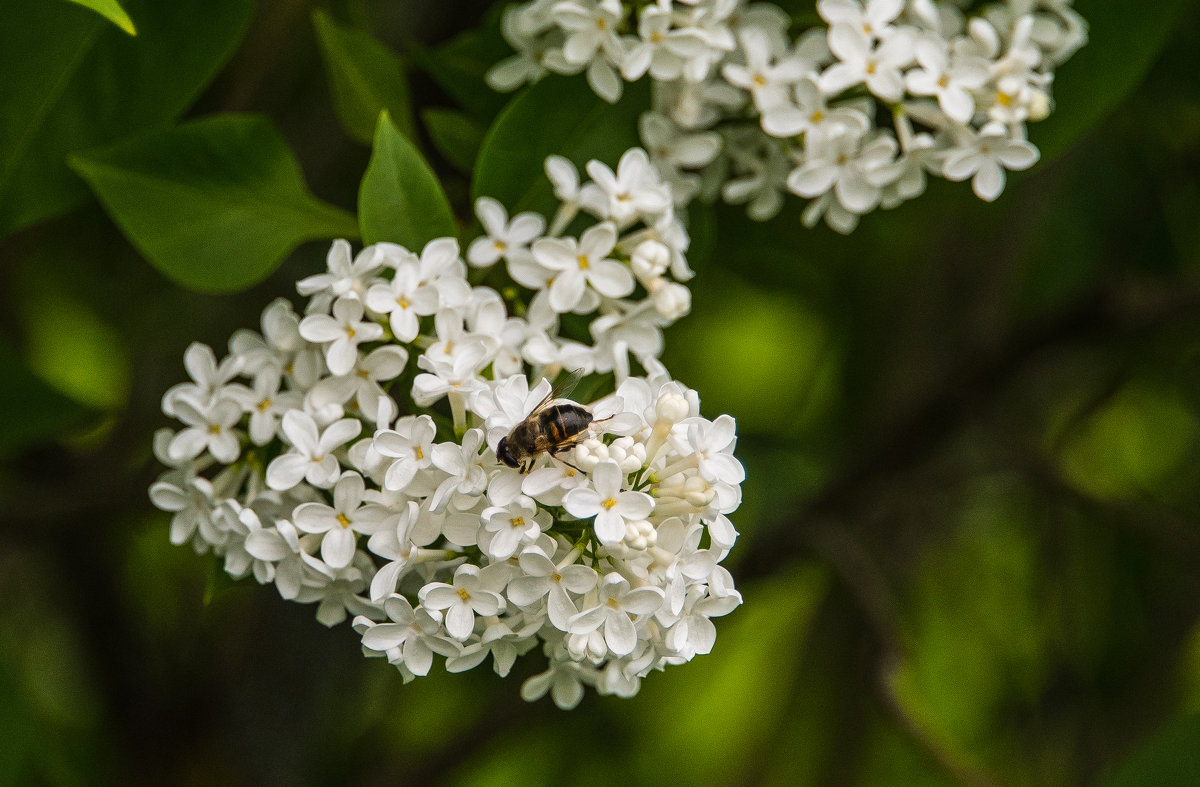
(504, 239)
(859, 62)
(342, 522)
(581, 264)
(265, 404)
(209, 426)
(405, 300)
(410, 446)
(410, 639)
(611, 506)
(542, 578)
(592, 40)
(208, 378)
(465, 474)
(361, 383)
(984, 157)
(462, 600)
(874, 20)
(616, 602)
(508, 528)
(951, 80)
(856, 172)
(634, 189)
(345, 278)
(280, 545)
(767, 82)
(341, 334)
(311, 458)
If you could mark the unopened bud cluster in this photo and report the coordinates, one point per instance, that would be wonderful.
(347, 453)
(744, 111)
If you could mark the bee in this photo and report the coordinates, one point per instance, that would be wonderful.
(554, 426)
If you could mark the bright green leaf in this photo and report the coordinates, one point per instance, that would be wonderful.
(1125, 38)
(365, 77)
(34, 412)
(455, 135)
(400, 199)
(112, 11)
(72, 82)
(214, 204)
(558, 115)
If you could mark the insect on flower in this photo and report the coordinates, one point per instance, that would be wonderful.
(555, 425)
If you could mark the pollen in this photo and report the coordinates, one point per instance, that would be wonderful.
(601, 23)
(214, 429)
(612, 602)
(343, 520)
(759, 80)
(363, 373)
(608, 504)
(871, 66)
(449, 346)
(463, 594)
(583, 262)
(817, 116)
(264, 405)
(518, 521)
(351, 332)
(1004, 99)
(557, 577)
(943, 81)
(500, 246)
(402, 303)
(656, 37)
(419, 453)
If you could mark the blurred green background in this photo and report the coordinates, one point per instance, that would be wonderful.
(970, 544)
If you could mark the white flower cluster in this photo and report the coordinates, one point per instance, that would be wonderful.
(854, 115)
(348, 455)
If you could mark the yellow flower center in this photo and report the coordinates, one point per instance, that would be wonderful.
(608, 504)
(343, 520)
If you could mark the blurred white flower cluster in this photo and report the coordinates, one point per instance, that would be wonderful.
(348, 454)
(854, 114)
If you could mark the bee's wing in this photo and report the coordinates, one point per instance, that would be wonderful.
(560, 390)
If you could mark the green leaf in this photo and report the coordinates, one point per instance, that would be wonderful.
(558, 115)
(455, 135)
(400, 199)
(112, 11)
(72, 82)
(1171, 758)
(1125, 38)
(214, 204)
(365, 78)
(34, 412)
(460, 65)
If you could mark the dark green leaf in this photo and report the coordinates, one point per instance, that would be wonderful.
(1125, 38)
(214, 204)
(460, 65)
(400, 199)
(1169, 759)
(34, 411)
(455, 135)
(558, 115)
(112, 11)
(72, 82)
(365, 78)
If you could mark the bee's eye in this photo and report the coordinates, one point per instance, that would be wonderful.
(504, 453)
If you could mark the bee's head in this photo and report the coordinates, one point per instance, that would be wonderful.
(505, 454)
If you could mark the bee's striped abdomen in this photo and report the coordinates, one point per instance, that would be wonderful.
(561, 422)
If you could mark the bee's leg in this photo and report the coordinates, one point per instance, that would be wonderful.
(564, 461)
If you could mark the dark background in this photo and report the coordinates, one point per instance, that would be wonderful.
(970, 550)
